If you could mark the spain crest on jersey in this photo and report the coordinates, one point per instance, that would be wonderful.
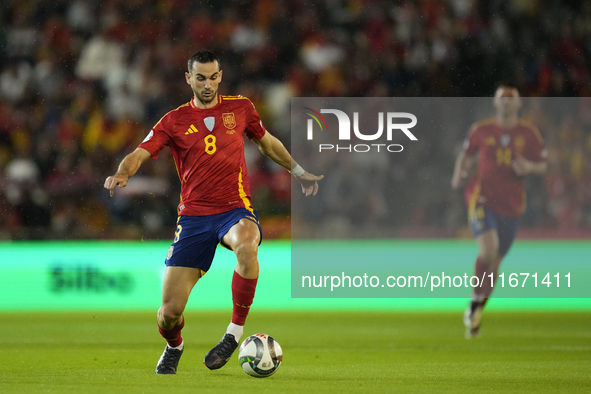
(229, 120)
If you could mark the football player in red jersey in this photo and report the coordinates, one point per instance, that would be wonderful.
(508, 149)
(205, 137)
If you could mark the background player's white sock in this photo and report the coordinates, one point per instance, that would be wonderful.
(235, 330)
(478, 299)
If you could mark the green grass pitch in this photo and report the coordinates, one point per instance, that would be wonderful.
(324, 352)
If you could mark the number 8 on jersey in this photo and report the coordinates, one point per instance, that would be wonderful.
(210, 147)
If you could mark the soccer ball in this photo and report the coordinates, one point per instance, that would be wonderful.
(260, 355)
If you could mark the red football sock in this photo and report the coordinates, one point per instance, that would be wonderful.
(242, 295)
(173, 336)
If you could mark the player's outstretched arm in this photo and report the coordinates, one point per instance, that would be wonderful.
(274, 149)
(128, 167)
(461, 170)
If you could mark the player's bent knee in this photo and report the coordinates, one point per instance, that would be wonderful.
(169, 313)
(247, 250)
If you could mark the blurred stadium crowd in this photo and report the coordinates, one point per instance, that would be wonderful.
(82, 82)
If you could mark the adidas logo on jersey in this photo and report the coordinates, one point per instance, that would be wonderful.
(192, 129)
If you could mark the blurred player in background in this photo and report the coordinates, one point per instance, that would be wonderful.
(508, 149)
(205, 136)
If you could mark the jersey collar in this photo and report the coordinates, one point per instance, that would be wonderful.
(192, 102)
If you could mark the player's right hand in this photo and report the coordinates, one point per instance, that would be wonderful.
(114, 180)
(521, 166)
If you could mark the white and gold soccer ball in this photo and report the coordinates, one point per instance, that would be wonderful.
(260, 355)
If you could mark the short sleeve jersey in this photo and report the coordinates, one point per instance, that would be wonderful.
(208, 150)
(496, 185)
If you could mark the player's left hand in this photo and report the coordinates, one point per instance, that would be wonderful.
(309, 183)
(521, 166)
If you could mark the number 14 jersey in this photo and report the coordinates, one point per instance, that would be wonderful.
(496, 185)
(208, 150)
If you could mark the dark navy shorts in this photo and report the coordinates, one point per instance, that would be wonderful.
(483, 219)
(196, 237)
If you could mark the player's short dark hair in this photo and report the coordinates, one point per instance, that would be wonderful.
(508, 86)
(204, 56)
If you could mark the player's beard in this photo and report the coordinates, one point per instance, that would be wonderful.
(206, 99)
(508, 113)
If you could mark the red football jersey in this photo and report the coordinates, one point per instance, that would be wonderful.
(495, 184)
(208, 150)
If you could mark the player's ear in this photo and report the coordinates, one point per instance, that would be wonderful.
(220, 75)
(188, 78)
